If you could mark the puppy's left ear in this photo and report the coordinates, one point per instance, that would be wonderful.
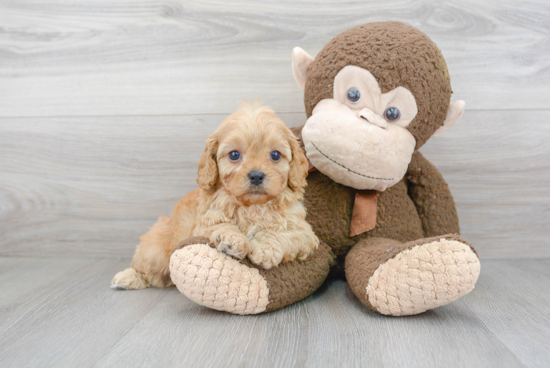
(208, 167)
(298, 166)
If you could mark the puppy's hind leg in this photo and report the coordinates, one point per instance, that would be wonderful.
(129, 279)
(150, 263)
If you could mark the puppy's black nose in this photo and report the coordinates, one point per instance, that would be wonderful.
(256, 177)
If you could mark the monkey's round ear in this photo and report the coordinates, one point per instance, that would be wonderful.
(300, 62)
(454, 113)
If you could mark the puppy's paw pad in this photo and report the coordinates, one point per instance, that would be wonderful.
(264, 257)
(233, 244)
(128, 279)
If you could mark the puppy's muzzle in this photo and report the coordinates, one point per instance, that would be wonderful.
(256, 178)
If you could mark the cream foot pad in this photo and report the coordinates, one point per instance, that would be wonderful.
(423, 277)
(217, 281)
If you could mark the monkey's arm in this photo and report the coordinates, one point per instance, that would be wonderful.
(431, 195)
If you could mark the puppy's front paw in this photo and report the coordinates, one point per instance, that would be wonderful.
(264, 256)
(230, 242)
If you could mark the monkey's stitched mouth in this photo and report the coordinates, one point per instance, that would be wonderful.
(347, 168)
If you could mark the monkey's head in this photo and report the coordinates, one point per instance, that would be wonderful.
(373, 95)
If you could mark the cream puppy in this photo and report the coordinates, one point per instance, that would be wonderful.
(251, 181)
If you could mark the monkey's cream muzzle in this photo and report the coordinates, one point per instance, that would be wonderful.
(372, 118)
(357, 148)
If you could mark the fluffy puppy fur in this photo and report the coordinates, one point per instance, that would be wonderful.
(248, 204)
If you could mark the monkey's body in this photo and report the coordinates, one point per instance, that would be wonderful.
(373, 96)
(399, 225)
(330, 206)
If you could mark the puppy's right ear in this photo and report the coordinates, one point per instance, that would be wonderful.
(208, 167)
(298, 166)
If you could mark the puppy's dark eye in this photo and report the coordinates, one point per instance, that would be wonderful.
(354, 95)
(392, 114)
(234, 156)
(275, 156)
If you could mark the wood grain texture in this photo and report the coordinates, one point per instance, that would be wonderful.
(137, 57)
(93, 185)
(513, 303)
(74, 319)
(105, 107)
(497, 165)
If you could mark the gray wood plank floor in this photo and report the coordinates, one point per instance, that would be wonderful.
(61, 313)
(105, 107)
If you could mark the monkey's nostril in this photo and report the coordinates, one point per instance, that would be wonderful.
(373, 118)
(256, 177)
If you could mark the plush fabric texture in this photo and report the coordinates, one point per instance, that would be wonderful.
(215, 280)
(397, 55)
(396, 268)
(220, 282)
(194, 240)
(291, 282)
(372, 97)
(346, 158)
(397, 278)
(419, 206)
(365, 206)
(456, 109)
(300, 64)
(432, 198)
(424, 277)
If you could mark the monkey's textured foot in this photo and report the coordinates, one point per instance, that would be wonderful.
(419, 276)
(215, 280)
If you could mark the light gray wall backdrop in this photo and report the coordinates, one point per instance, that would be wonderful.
(105, 107)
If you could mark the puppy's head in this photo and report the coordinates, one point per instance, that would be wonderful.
(253, 156)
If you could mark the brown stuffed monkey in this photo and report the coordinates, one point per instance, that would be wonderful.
(384, 214)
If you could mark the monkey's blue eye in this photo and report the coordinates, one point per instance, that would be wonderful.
(234, 156)
(275, 156)
(392, 114)
(354, 95)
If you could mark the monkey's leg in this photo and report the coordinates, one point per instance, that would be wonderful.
(404, 279)
(218, 281)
